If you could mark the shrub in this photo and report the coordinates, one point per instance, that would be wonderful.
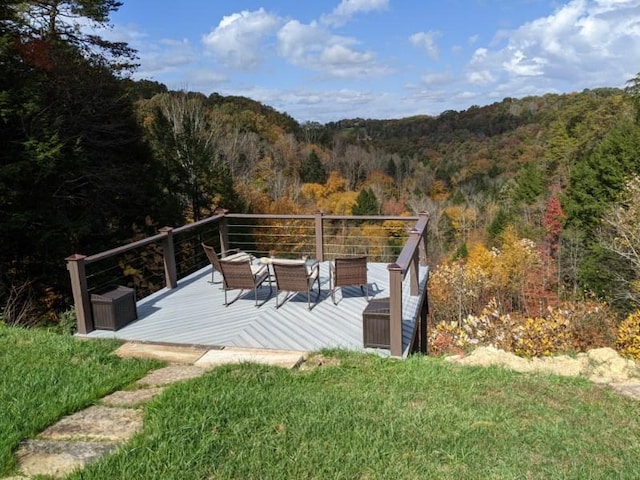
(488, 328)
(573, 327)
(628, 342)
(545, 336)
(456, 290)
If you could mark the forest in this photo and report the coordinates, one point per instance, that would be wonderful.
(534, 202)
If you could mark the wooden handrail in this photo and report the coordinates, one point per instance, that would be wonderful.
(407, 261)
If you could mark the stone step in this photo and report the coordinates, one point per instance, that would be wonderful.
(279, 358)
(59, 458)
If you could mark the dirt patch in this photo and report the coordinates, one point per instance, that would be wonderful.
(318, 361)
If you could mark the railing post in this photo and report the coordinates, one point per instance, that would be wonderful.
(395, 309)
(414, 271)
(76, 268)
(423, 242)
(319, 236)
(223, 232)
(169, 254)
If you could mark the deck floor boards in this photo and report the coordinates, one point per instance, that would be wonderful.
(194, 314)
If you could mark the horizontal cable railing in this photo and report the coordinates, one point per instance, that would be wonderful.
(159, 261)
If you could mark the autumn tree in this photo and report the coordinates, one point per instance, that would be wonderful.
(553, 222)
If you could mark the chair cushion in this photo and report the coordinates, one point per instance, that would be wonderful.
(287, 261)
(237, 256)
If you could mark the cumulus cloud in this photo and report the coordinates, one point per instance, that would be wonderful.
(427, 42)
(238, 39)
(313, 47)
(581, 44)
(348, 8)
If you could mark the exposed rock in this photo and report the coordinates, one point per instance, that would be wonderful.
(601, 365)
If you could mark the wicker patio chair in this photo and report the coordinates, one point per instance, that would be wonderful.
(347, 271)
(296, 276)
(242, 275)
(214, 258)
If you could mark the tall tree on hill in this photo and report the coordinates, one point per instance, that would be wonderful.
(73, 170)
(184, 135)
(633, 90)
(313, 170)
(596, 182)
(366, 203)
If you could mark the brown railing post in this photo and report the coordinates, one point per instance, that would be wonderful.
(76, 268)
(319, 236)
(169, 254)
(423, 242)
(395, 309)
(223, 232)
(414, 270)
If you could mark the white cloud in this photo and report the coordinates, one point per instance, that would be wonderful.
(348, 8)
(166, 56)
(238, 39)
(313, 47)
(480, 77)
(427, 42)
(437, 79)
(583, 44)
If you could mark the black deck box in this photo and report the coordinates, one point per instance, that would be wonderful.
(375, 324)
(113, 307)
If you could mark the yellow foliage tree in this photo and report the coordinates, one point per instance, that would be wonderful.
(463, 219)
(515, 258)
(312, 191)
(339, 203)
(481, 257)
(335, 183)
(438, 191)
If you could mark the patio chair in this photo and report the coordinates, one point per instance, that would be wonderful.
(347, 271)
(296, 276)
(214, 258)
(241, 275)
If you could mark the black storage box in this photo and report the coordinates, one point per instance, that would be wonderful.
(375, 324)
(113, 307)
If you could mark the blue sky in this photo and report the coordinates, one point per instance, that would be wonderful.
(326, 60)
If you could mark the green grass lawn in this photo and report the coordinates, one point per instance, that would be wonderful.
(368, 417)
(44, 376)
(355, 417)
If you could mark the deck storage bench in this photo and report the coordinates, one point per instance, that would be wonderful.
(375, 324)
(113, 307)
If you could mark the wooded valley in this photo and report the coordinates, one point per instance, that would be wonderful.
(533, 201)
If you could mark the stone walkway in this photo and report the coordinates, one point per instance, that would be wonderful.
(85, 436)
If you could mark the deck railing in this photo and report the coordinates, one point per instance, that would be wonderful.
(175, 252)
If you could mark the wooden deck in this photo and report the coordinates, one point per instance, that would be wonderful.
(194, 314)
